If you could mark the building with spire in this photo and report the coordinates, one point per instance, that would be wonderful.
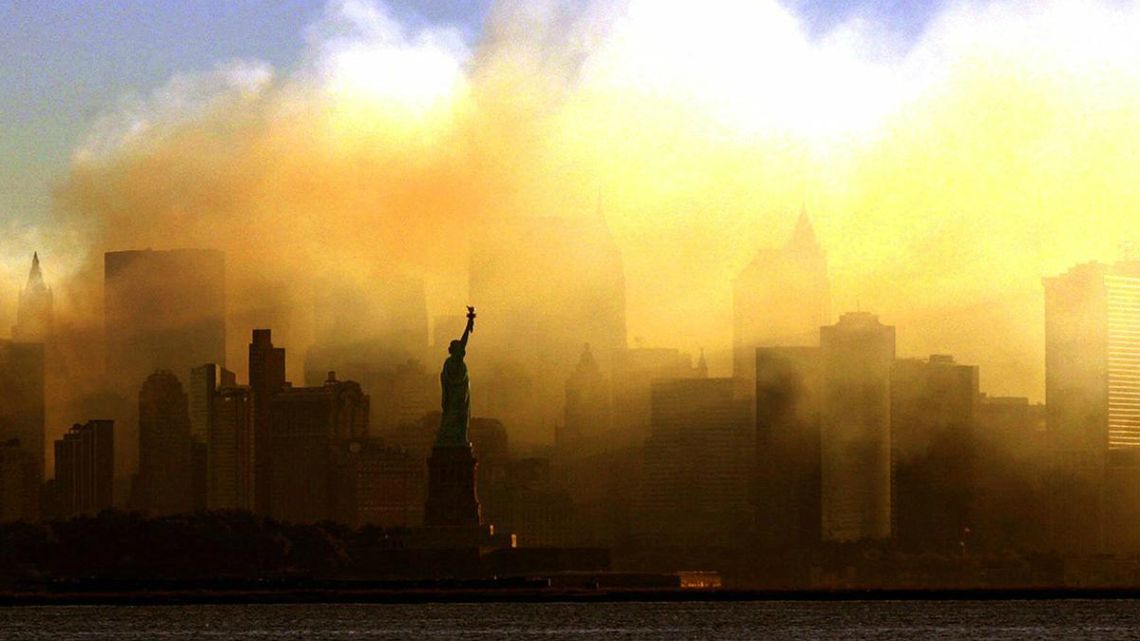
(34, 316)
(780, 299)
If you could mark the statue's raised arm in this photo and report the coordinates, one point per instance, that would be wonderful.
(470, 326)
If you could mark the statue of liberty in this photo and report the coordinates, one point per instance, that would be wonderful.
(456, 391)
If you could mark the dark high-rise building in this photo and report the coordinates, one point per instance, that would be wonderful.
(780, 299)
(697, 475)
(230, 450)
(1092, 388)
(202, 392)
(22, 398)
(19, 485)
(34, 316)
(308, 424)
(933, 452)
(634, 371)
(787, 447)
(266, 378)
(163, 310)
(165, 478)
(542, 316)
(586, 423)
(855, 428)
(84, 469)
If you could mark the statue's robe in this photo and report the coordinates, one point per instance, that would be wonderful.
(456, 403)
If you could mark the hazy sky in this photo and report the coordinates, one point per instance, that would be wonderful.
(66, 61)
(950, 154)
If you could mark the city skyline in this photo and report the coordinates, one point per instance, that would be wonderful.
(891, 125)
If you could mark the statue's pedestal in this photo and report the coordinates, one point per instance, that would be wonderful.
(451, 499)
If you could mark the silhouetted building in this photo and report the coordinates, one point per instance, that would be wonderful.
(266, 378)
(84, 470)
(165, 478)
(19, 485)
(780, 299)
(855, 428)
(787, 447)
(22, 398)
(634, 370)
(308, 424)
(163, 310)
(587, 421)
(1092, 383)
(202, 391)
(34, 316)
(230, 448)
(697, 475)
(1010, 474)
(550, 284)
(933, 452)
(378, 485)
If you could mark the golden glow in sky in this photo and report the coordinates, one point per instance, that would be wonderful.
(945, 177)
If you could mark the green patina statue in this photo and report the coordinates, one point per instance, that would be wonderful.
(456, 392)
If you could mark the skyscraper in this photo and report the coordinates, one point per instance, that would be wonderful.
(165, 478)
(34, 316)
(266, 378)
(84, 469)
(933, 407)
(162, 310)
(19, 485)
(698, 465)
(780, 299)
(787, 447)
(230, 450)
(308, 423)
(202, 389)
(22, 399)
(586, 421)
(1092, 397)
(855, 428)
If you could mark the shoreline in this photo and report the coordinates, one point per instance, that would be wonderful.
(365, 596)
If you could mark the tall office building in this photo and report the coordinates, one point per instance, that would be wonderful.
(202, 392)
(1092, 399)
(165, 478)
(587, 422)
(84, 469)
(377, 485)
(634, 371)
(855, 428)
(34, 316)
(230, 450)
(546, 286)
(308, 423)
(19, 485)
(780, 299)
(787, 447)
(266, 378)
(697, 471)
(162, 310)
(22, 398)
(933, 408)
